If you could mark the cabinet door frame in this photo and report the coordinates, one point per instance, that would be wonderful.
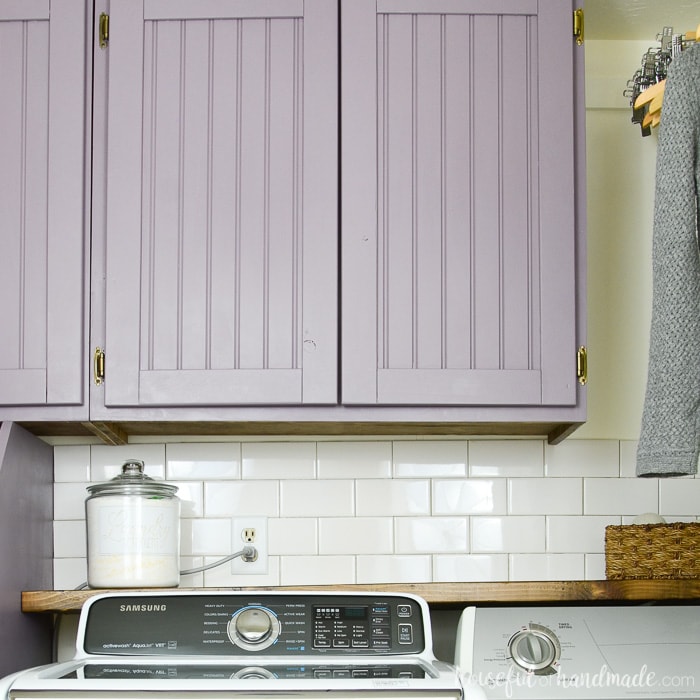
(56, 389)
(314, 379)
(364, 380)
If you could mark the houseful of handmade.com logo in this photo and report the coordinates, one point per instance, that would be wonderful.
(642, 682)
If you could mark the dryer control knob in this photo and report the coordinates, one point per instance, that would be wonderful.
(535, 649)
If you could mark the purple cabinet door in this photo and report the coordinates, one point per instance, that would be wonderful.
(42, 116)
(458, 253)
(221, 223)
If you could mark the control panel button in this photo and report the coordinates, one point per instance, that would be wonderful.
(381, 644)
(405, 633)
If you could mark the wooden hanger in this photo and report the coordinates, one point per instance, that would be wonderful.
(653, 96)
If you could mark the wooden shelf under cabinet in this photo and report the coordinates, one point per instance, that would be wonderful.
(445, 594)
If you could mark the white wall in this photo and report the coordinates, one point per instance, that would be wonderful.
(620, 182)
(404, 510)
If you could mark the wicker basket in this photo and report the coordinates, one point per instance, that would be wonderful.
(652, 551)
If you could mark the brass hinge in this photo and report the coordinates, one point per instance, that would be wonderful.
(104, 30)
(582, 365)
(98, 366)
(578, 25)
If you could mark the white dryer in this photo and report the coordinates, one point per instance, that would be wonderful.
(588, 652)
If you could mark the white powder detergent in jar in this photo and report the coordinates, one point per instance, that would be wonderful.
(133, 531)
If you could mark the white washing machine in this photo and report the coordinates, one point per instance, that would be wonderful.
(584, 652)
(206, 645)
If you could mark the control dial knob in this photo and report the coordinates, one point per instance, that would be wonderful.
(535, 649)
(253, 672)
(253, 628)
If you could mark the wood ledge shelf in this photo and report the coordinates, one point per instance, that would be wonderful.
(441, 594)
(119, 432)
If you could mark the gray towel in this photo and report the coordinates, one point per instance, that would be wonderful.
(669, 442)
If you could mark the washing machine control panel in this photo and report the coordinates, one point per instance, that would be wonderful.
(274, 624)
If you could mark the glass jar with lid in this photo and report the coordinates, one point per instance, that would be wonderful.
(133, 531)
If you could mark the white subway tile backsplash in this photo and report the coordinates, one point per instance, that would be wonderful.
(320, 498)
(186, 537)
(106, 460)
(516, 458)
(578, 533)
(354, 460)
(292, 535)
(628, 458)
(470, 567)
(210, 536)
(620, 496)
(508, 534)
(393, 497)
(546, 567)
(432, 459)
(322, 570)
(222, 577)
(594, 567)
(279, 460)
(71, 463)
(679, 496)
(69, 501)
(583, 458)
(395, 509)
(355, 535)
(203, 461)
(69, 573)
(545, 496)
(191, 495)
(469, 497)
(191, 580)
(375, 568)
(431, 535)
(234, 498)
(69, 539)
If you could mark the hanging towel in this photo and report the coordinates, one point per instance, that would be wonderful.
(669, 442)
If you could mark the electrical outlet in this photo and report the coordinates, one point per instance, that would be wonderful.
(249, 534)
(249, 531)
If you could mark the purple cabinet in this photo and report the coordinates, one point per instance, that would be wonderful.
(221, 203)
(236, 182)
(459, 238)
(42, 205)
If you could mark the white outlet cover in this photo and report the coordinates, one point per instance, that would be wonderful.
(238, 525)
